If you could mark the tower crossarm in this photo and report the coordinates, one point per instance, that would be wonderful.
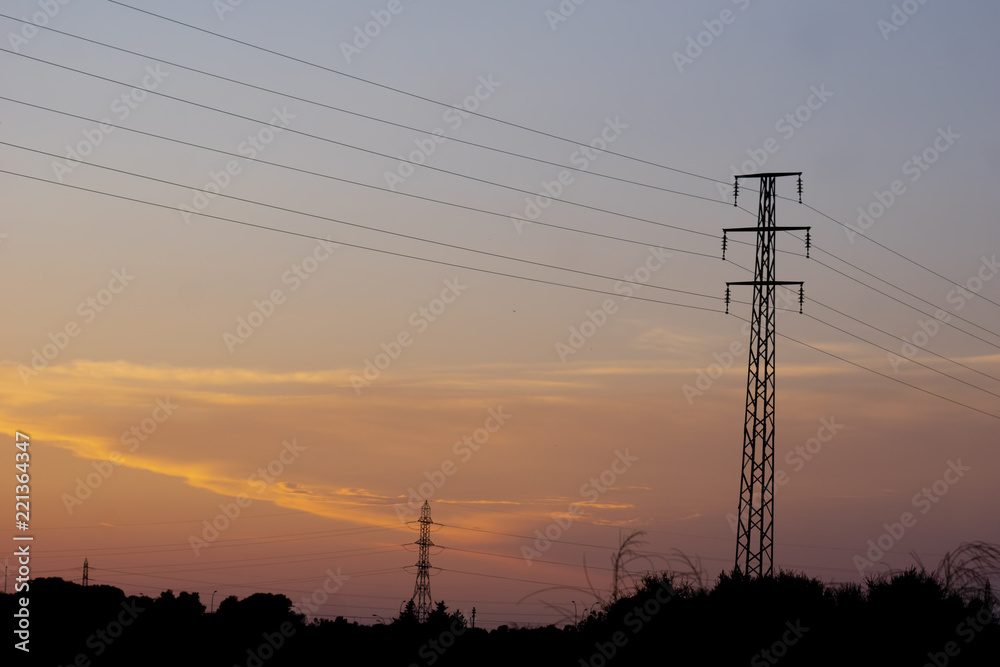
(769, 229)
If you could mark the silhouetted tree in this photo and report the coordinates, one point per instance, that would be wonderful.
(407, 617)
(439, 618)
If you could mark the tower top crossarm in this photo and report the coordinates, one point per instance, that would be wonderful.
(770, 174)
(765, 177)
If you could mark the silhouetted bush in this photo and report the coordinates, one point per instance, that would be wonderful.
(909, 618)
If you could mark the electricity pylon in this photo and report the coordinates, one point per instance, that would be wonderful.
(422, 587)
(755, 529)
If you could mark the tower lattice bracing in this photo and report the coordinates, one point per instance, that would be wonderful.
(422, 588)
(755, 518)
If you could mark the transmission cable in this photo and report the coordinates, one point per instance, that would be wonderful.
(409, 94)
(491, 118)
(368, 117)
(376, 229)
(372, 152)
(354, 245)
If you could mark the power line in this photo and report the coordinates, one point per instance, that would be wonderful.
(272, 560)
(542, 264)
(222, 584)
(525, 537)
(464, 267)
(471, 113)
(958, 317)
(498, 576)
(473, 250)
(354, 245)
(365, 116)
(461, 247)
(644, 529)
(481, 180)
(491, 118)
(931, 368)
(899, 254)
(549, 266)
(222, 544)
(900, 338)
(409, 94)
(896, 299)
(162, 523)
(888, 377)
(370, 151)
(374, 229)
(358, 183)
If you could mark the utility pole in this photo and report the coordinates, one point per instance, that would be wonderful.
(86, 573)
(755, 529)
(422, 587)
(474, 616)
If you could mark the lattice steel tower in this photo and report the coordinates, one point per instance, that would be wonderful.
(755, 529)
(422, 587)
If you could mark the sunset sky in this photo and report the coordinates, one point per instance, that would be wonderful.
(329, 354)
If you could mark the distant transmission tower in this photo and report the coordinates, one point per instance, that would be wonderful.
(86, 572)
(755, 530)
(422, 587)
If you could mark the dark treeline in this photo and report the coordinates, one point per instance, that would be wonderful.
(909, 618)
